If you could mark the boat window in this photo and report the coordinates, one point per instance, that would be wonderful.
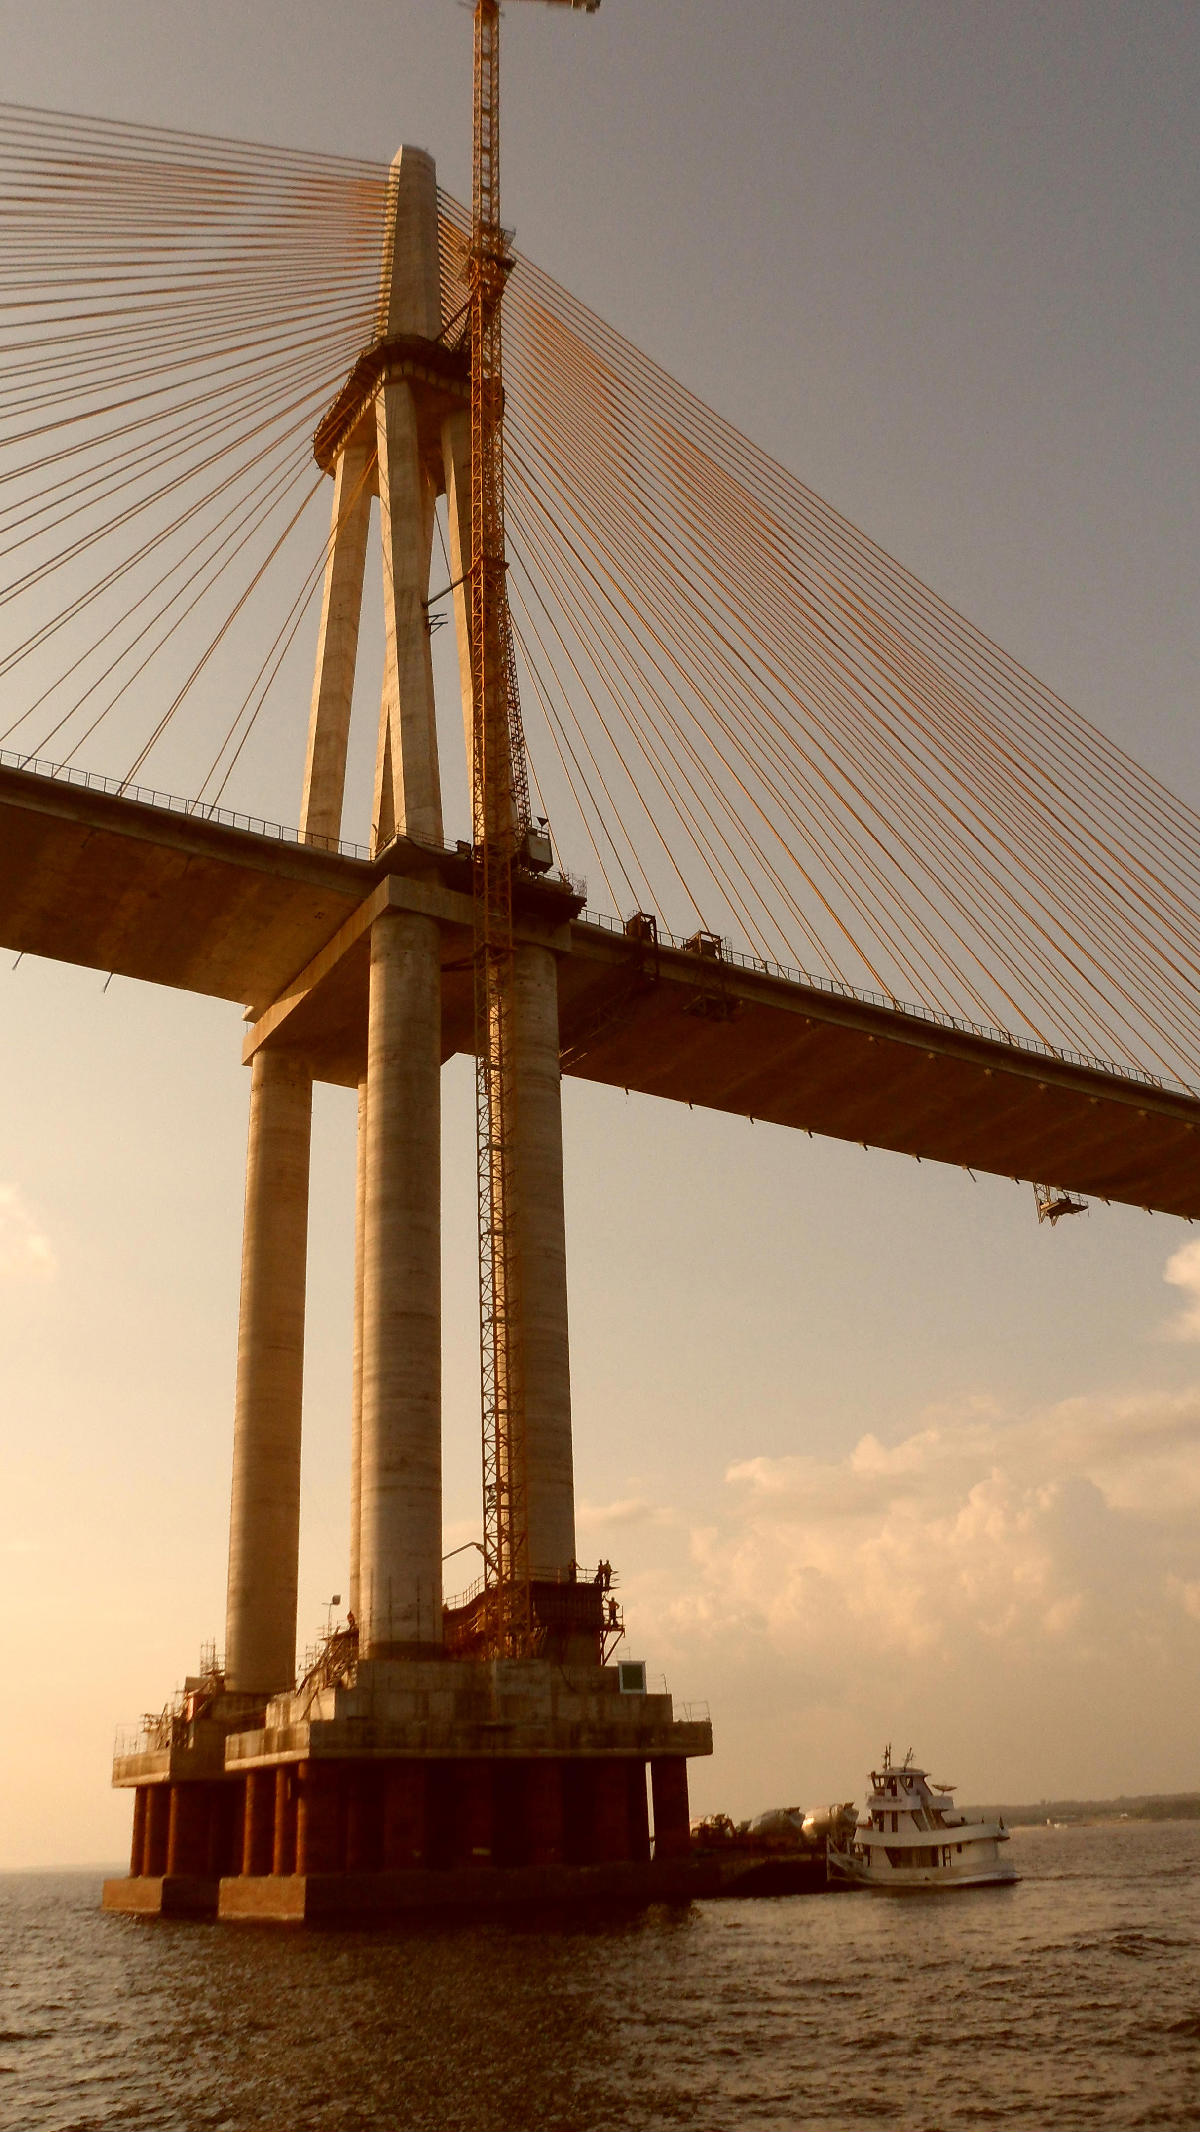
(946, 1854)
(895, 1824)
(958, 1847)
(913, 1860)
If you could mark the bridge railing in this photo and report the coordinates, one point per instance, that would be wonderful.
(816, 981)
(227, 817)
(171, 803)
(737, 958)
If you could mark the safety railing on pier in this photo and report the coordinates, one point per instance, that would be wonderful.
(133, 1739)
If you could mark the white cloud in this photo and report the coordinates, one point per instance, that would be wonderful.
(1019, 1589)
(979, 1524)
(1183, 1271)
(630, 1510)
(25, 1250)
(1189, 1597)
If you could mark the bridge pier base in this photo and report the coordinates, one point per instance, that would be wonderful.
(418, 1784)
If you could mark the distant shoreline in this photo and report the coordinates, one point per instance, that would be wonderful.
(1148, 1806)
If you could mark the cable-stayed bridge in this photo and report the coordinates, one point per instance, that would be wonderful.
(850, 869)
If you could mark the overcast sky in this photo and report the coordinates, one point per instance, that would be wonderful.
(875, 1456)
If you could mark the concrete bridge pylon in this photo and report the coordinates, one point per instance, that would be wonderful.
(408, 1766)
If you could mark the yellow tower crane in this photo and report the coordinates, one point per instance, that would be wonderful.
(503, 841)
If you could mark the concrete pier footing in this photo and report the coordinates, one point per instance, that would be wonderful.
(366, 1835)
(421, 1783)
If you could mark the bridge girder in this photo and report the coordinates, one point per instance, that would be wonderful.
(103, 881)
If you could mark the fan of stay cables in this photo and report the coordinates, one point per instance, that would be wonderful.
(740, 713)
(176, 313)
(769, 729)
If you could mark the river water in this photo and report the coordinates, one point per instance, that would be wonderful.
(1072, 1999)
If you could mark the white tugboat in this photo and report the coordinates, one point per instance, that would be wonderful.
(911, 1835)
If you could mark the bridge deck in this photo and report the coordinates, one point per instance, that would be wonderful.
(91, 878)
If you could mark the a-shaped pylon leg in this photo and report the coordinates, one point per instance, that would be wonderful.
(383, 451)
(337, 647)
(456, 460)
(406, 508)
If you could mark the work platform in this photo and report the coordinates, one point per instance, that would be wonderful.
(245, 914)
(413, 1784)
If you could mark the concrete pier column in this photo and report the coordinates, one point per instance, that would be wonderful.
(360, 1212)
(224, 1832)
(610, 1808)
(404, 1816)
(264, 1529)
(258, 1827)
(283, 1849)
(364, 1820)
(544, 1814)
(474, 1821)
(639, 1814)
(318, 1819)
(137, 1844)
(672, 1826)
(400, 1529)
(187, 1829)
(543, 1263)
(158, 1812)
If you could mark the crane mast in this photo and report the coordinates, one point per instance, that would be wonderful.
(500, 826)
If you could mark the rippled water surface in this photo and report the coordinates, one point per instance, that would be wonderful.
(1072, 1999)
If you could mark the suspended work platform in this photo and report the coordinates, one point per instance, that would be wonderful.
(151, 891)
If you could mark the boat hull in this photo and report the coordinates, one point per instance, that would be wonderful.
(923, 1880)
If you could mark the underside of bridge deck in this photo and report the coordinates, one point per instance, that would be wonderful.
(107, 882)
